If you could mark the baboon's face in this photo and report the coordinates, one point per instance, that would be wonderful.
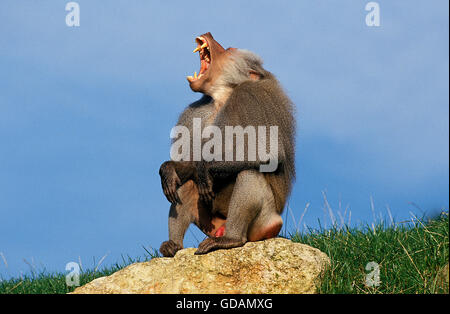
(212, 59)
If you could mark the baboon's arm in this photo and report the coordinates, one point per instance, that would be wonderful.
(207, 171)
(231, 167)
(173, 175)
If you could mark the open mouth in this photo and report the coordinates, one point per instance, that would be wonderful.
(205, 58)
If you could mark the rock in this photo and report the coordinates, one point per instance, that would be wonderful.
(272, 266)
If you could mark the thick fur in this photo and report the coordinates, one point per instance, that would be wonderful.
(263, 102)
(245, 94)
(255, 103)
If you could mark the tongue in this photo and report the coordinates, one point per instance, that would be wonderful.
(204, 66)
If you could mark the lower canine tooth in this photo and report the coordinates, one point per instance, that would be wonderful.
(195, 75)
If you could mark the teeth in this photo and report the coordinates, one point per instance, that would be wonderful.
(201, 47)
(191, 78)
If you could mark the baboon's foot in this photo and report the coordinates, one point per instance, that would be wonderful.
(212, 244)
(169, 248)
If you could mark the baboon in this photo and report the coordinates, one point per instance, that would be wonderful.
(232, 202)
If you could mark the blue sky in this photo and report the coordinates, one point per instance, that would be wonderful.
(85, 115)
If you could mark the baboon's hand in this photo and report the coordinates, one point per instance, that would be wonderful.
(169, 248)
(205, 183)
(170, 182)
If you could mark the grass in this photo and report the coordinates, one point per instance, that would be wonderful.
(55, 283)
(411, 258)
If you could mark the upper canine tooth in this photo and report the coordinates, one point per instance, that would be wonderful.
(197, 49)
(204, 45)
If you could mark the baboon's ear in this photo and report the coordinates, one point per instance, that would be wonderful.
(254, 75)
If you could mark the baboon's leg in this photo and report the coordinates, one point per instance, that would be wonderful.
(182, 215)
(251, 214)
(266, 225)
